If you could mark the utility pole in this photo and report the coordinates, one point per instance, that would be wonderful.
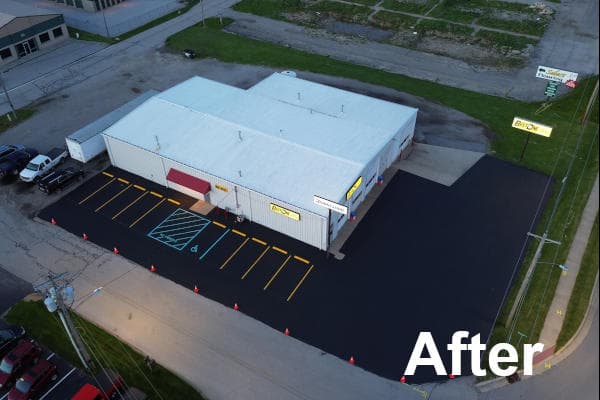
(12, 107)
(202, 10)
(58, 291)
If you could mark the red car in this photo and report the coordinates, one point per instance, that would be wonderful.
(34, 381)
(17, 361)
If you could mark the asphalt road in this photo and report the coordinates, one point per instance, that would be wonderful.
(12, 289)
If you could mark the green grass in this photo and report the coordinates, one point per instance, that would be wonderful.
(269, 8)
(528, 27)
(584, 284)
(503, 40)
(495, 112)
(408, 6)
(341, 11)
(430, 26)
(46, 328)
(390, 20)
(452, 11)
(22, 114)
(88, 36)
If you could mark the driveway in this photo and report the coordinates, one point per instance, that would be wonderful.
(12, 289)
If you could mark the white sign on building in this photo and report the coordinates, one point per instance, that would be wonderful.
(330, 204)
(557, 75)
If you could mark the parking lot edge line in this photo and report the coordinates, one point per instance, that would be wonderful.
(214, 244)
(304, 260)
(147, 212)
(160, 196)
(238, 232)
(279, 250)
(123, 181)
(58, 383)
(220, 225)
(255, 262)
(259, 241)
(107, 174)
(129, 205)
(300, 283)
(234, 253)
(97, 190)
(277, 273)
(139, 187)
(174, 202)
(112, 198)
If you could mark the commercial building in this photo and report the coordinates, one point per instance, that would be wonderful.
(25, 30)
(292, 155)
(89, 5)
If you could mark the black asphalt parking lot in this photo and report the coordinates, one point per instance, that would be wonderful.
(425, 258)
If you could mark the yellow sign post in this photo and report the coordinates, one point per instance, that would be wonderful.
(285, 212)
(531, 127)
(353, 188)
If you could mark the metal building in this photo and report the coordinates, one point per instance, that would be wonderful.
(292, 155)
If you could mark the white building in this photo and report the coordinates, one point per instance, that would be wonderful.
(267, 151)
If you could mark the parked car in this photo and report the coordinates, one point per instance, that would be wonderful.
(7, 149)
(9, 338)
(34, 381)
(189, 53)
(59, 179)
(41, 165)
(111, 386)
(17, 361)
(15, 161)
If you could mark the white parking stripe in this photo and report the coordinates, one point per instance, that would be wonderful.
(3, 397)
(50, 356)
(57, 383)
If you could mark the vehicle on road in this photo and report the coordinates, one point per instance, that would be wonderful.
(15, 161)
(42, 164)
(59, 179)
(189, 53)
(33, 382)
(111, 386)
(17, 361)
(9, 338)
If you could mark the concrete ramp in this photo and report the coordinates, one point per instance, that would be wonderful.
(439, 164)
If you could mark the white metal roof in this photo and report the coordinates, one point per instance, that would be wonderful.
(286, 151)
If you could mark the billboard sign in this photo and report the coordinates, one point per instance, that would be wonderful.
(554, 74)
(532, 127)
(330, 205)
(285, 212)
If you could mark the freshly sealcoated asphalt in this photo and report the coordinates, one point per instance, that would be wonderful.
(426, 257)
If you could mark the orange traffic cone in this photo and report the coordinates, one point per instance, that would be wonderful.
(84, 236)
(115, 250)
(196, 290)
(451, 376)
(351, 360)
(152, 268)
(53, 221)
(286, 332)
(403, 379)
(236, 307)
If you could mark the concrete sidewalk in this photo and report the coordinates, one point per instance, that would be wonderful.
(556, 314)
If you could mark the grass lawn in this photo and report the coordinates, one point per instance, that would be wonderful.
(496, 112)
(390, 20)
(416, 7)
(114, 354)
(22, 114)
(269, 8)
(504, 40)
(584, 284)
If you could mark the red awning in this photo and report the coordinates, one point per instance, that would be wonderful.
(189, 181)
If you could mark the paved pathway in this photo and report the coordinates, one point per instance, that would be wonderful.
(558, 308)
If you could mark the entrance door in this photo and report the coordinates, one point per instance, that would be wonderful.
(26, 47)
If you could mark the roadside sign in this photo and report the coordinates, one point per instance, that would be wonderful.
(571, 84)
(554, 74)
(330, 205)
(532, 127)
(551, 89)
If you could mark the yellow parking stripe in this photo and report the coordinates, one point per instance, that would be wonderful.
(304, 260)
(279, 250)
(299, 283)
(107, 174)
(123, 180)
(160, 196)
(174, 202)
(112, 198)
(238, 232)
(220, 225)
(255, 262)
(147, 212)
(234, 253)
(129, 205)
(139, 187)
(277, 273)
(259, 241)
(97, 190)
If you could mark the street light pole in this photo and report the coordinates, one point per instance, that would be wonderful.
(105, 24)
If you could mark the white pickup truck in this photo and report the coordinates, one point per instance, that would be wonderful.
(41, 165)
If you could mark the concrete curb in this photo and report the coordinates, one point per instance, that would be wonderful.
(568, 349)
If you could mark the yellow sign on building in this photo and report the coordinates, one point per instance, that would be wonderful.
(353, 188)
(532, 127)
(284, 211)
(221, 188)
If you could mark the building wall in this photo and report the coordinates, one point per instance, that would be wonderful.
(44, 35)
(89, 5)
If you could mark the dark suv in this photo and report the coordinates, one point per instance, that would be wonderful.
(13, 162)
(17, 361)
(9, 337)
